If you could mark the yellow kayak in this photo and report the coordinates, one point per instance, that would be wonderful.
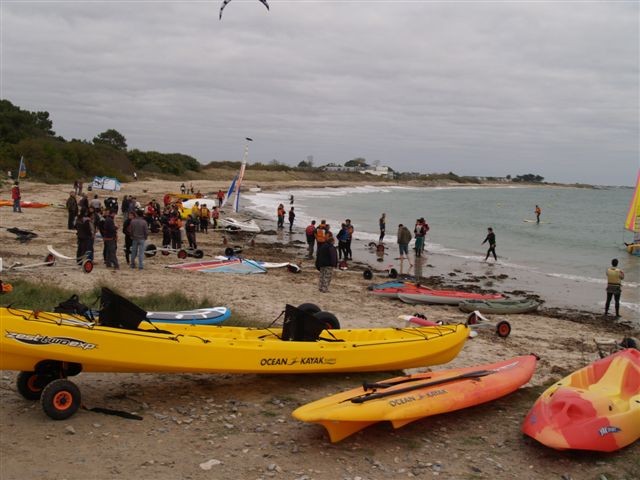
(30, 338)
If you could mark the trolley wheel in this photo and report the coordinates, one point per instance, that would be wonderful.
(503, 329)
(329, 320)
(182, 254)
(60, 399)
(393, 273)
(150, 250)
(50, 259)
(87, 266)
(228, 252)
(30, 384)
(198, 253)
(367, 274)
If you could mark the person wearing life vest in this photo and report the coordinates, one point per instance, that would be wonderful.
(215, 215)
(538, 212)
(280, 214)
(204, 218)
(614, 286)
(420, 232)
(310, 233)
(321, 232)
(348, 239)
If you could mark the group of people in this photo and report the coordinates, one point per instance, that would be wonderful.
(281, 214)
(88, 217)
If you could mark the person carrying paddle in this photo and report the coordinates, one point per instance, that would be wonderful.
(491, 238)
(538, 212)
(382, 223)
(614, 286)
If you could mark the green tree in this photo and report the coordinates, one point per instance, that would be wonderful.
(112, 138)
(356, 162)
(17, 124)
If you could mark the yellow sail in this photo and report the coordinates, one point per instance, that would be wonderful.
(633, 216)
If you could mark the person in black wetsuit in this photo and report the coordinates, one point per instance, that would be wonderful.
(491, 238)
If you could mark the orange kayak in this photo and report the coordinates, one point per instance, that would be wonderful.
(402, 400)
(595, 408)
(9, 203)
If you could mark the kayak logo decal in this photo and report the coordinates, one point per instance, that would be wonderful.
(37, 339)
(414, 398)
(270, 362)
(607, 430)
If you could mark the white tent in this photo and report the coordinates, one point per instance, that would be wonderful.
(106, 183)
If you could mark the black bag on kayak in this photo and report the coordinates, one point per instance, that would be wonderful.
(73, 306)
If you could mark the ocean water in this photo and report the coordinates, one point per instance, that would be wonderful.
(581, 230)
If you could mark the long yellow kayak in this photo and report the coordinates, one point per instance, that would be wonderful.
(32, 339)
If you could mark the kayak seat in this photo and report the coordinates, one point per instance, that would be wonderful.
(300, 326)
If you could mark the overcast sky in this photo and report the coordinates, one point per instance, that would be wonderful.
(477, 88)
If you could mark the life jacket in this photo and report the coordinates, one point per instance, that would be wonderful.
(204, 213)
(321, 233)
(614, 276)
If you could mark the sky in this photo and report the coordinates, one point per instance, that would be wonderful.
(477, 88)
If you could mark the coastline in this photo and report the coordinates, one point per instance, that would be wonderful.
(244, 421)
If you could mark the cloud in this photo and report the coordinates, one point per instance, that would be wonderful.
(476, 88)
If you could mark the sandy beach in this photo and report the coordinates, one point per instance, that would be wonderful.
(240, 426)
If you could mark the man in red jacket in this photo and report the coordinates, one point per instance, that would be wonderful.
(15, 196)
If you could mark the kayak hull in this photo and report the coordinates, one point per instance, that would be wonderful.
(500, 306)
(413, 397)
(595, 408)
(30, 338)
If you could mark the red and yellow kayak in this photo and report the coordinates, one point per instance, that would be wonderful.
(402, 400)
(595, 408)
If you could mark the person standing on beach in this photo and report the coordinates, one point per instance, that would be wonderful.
(220, 197)
(72, 209)
(110, 237)
(326, 261)
(292, 217)
(349, 238)
(204, 218)
(404, 237)
(538, 212)
(321, 232)
(420, 231)
(383, 226)
(310, 233)
(491, 239)
(16, 196)
(614, 286)
(342, 242)
(139, 234)
(280, 214)
(126, 229)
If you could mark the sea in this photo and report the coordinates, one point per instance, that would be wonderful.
(564, 257)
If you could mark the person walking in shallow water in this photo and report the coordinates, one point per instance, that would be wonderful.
(538, 212)
(614, 286)
(491, 239)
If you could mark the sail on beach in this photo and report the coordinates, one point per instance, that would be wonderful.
(632, 222)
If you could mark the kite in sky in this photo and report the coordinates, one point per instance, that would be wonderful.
(224, 4)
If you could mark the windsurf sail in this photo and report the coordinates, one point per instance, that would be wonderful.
(236, 204)
(227, 265)
(231, 190)
(632, 222)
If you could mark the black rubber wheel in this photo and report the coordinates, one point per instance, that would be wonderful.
(30, 385)
(329, 319)
(393, 273)
(293, 268)
(228, 252)
(198, 253)
(373, 244)
(60, 399)
(50, 259)
(367, 274)
(150, 250)
(503, 329)
(182, 254)
(87, 266)
(310, 308)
